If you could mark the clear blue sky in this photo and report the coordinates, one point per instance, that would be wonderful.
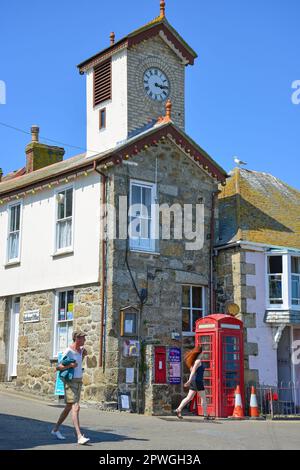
(238, 93)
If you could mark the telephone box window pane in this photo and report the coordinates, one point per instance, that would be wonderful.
(206, 356)
(231, 357)
(205, 339)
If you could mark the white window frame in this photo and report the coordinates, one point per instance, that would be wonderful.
(191, 309)
(291, 275)
(282, 275)
(56, 321)
(133, 245)
(68, 249)
(9, 210)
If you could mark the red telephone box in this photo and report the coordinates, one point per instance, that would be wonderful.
(221, 337)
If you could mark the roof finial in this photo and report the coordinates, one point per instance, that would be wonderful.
(162, 8)
(168, 109)
(112, 38)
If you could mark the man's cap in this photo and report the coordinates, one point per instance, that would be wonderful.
(78, 334)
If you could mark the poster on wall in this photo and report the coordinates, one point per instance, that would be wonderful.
(174, 366)
(59, 386)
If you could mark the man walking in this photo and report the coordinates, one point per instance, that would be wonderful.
(73, 355)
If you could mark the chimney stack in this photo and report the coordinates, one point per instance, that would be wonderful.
(112, 38)
(40, 155)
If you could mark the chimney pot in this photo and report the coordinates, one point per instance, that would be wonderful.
(169, 109)
(112, 38)
(35, 133)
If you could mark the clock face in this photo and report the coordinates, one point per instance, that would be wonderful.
(156, 84)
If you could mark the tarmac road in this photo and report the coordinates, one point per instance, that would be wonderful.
(25, 423)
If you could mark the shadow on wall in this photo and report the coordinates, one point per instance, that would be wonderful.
(17, 433)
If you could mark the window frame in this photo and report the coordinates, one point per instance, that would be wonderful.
(133, 246)
(191, 309)
(68, 249)
(9, 211)
(297, 275)
(57, 322)
(268, 275)
(102, 127)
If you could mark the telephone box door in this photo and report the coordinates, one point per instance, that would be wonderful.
(208, 343)
(231, 375)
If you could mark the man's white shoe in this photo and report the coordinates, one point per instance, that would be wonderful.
(58, 435)
(83, 440)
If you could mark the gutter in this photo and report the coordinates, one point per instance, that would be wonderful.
(284, 249)
(212, 239)
(103, 259)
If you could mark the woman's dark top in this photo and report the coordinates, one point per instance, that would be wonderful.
(197, 384)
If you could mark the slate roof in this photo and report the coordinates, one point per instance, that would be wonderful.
(259, 208)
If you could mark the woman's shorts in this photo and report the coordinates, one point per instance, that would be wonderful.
(197, 386)
(72, 391)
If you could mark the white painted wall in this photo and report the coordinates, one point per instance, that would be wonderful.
(39, 270)
(116, 109)
(266, 361)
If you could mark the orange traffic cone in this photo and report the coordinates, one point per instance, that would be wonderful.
(238, 406)
(254, 410)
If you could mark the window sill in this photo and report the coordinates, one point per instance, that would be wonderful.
(60, 254)
(12, 264)
(145, 252)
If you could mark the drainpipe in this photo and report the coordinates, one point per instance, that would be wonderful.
(212, 241)
(103, 256)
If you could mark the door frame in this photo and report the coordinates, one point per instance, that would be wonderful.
(14, 320)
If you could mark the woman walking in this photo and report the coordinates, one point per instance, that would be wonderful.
(195, 382)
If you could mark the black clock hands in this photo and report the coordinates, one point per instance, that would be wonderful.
(163, 87)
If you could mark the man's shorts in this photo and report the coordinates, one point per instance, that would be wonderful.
(72, 391)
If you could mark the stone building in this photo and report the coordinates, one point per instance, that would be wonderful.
(258, 268)
(69, 260)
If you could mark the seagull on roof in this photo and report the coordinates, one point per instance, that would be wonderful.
(239, 162)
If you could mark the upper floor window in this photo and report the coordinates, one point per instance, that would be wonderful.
(14, 233)
(295, 269)
(102, 118)
(275, 273)
(141, 216)
(192, 307)
(64, 219)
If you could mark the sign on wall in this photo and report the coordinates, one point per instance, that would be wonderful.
(31, 316)
(174, 366)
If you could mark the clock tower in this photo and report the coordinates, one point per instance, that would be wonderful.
(129, 82)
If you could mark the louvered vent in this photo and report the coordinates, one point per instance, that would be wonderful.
(102, 82)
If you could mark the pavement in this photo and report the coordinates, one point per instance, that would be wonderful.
(26, 423)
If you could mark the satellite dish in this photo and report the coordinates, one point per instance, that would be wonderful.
(233, 309)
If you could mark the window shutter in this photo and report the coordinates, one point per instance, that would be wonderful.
(102, 82)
